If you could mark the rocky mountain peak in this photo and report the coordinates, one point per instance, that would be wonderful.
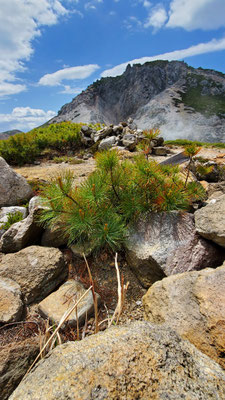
(180, 100)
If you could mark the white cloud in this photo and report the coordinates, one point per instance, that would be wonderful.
(197, 14)
(20, 23)
(201, 48)
(71, 90)
(157, 17)
(91, 5)
(7, 88)
(146, 3)
(132, 23)
(26, 118)
(79, 72)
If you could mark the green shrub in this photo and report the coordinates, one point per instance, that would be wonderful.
(145, 144)
(98, 211)
(19, 149)
(13, 217)
(26, 147)
(185, 142)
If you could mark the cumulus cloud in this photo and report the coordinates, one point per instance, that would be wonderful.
(26, 118)
(79, 72)
(201, 48)
(7, 89)
(198, 14)
(186, 14)
(157, 17)
(20, 23)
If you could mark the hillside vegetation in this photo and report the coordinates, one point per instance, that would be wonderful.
(26, 147)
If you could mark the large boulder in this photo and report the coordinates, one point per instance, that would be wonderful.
(193, 304)
(210, 221)
(163, 244)
(59, 302)
(13, 187)
(140, 361)
(38, 270)
(23, 233)
(15, 359)
(11, 305)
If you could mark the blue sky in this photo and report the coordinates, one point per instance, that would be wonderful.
(51, 50)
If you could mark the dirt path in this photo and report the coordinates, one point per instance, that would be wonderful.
(46, 171)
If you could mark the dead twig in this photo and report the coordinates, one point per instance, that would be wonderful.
(63, 319)
(95, 300)
(121, 289)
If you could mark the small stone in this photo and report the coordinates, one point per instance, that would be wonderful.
(139, 302)
(38, 270)
(86, 130)
(58, 303)
(210, 221)
(25, 232)
(159, 151)
(11, 305)
(107, 143)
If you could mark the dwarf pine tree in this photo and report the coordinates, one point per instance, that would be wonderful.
(116, 193)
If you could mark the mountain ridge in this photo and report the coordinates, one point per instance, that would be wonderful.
(7, 134)
(182, 101)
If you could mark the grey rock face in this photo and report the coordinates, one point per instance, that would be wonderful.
(140, 361)
(13, 187)
(38, 271)
(15, 359)
(210, 221)
(23, 233)
(153, 95)
(62, 300)
(11, 305)
(163, 244)
(193, 304)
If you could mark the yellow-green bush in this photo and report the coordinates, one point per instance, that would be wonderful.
(25, 147)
